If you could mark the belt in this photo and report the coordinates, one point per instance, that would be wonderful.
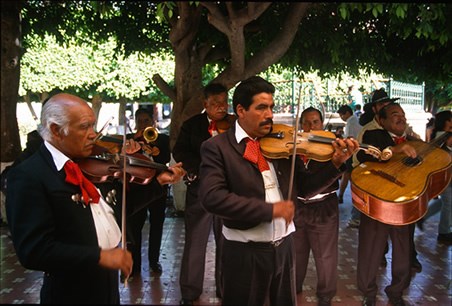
(262, 245)
(317, 198)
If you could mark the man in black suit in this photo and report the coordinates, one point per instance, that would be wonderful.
(373, 234)
(157, 150)
(198, 222)
(59, 222)
(317, 218)
(249, 193)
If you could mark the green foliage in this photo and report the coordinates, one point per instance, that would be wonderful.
(91, 68)
(405, 41)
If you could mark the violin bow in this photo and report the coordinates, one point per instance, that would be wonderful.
(124, 190)
(99, 135)
(294, 153)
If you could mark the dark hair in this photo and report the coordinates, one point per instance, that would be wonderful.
(382, 113)
(248, 88)
(344, 109)
(309, 110)
(358, 107)
(440, 121)
(214, 89)
(368, 114)
(143, 111)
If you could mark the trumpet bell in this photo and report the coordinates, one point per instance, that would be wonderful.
(150, 134)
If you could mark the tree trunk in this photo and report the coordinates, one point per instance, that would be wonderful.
(191, 55)
(122, 116)
(96, 103)
(10, 76)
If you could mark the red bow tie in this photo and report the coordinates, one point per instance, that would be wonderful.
(253, 154)
(304, 158)
(398, 140)
(74, 176)
(212, 127)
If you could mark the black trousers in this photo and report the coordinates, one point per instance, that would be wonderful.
(373, 236)
(135, 223)
(198, 224)
(317, 229)
(258, 273)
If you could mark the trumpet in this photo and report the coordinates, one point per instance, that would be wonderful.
(150, 134)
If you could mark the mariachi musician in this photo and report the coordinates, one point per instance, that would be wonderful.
(60, 224)
(155, 146)
(198, 222)
(373, 234)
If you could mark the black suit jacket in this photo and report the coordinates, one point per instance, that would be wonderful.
(233, 188)
(144, 195)
(193, 132)
(54, 234)
(377, 138)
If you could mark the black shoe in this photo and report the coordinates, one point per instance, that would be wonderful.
(369, 301)
(156, 268)
(136, 271)
(186, 302)
(324, 301)
(396, 301)
(416, 265)
(383, 262)
(420, 224)
(445, 238)
(180, 214)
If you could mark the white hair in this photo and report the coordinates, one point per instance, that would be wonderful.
(54, 111)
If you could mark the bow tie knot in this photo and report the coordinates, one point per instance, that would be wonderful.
(253, 154)
(399, 140)
(75, 176)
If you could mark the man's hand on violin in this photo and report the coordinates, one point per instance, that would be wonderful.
(174, 175)
(343, 150)
(132, 146)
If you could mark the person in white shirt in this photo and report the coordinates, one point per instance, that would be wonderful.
(352, 129)
(60, 223)
(250, 193)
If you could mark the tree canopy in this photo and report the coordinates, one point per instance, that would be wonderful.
(406, 41)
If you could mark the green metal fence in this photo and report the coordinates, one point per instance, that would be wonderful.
(288, 93)
(411, 95)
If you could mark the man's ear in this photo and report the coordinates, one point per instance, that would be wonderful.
(240, 110)
(56, 130)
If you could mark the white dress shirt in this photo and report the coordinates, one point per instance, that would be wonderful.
(266, 231)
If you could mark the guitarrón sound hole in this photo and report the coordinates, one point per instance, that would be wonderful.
(411, 162)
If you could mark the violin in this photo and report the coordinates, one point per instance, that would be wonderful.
(113, 143)
(316, 145)
(106, 164)
(224, 124)
(106, 167)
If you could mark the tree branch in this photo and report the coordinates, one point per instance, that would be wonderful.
(164, 87)
(184, 31)
(277, 48)
(216, 18)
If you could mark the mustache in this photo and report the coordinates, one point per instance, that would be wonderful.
(268, 121)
